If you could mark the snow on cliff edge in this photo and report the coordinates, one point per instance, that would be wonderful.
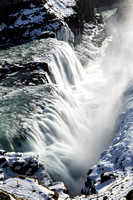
(61, 8)
(112, 176)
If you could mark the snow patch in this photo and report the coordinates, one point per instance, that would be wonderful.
(60, 8)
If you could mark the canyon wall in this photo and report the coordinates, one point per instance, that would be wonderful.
(103, 3)
(8, 7)
(23, 20)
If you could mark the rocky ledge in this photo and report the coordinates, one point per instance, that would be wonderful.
(26, 164)
(23, 177)
(34, 73)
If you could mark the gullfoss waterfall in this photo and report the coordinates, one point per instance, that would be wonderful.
(70, 120)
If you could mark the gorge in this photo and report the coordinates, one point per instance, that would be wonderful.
(62, 104)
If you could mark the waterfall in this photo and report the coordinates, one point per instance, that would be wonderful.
(78, 121)
(64, 65)
(70, 120)
(74, 119)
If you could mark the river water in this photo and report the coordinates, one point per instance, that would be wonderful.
(68, 121)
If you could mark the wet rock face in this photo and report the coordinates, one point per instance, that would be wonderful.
(88, 11)
(103, 3)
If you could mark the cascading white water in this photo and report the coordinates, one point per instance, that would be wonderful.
(65, 67)
(73, 120)
(78, 122)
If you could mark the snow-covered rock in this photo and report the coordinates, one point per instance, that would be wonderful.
(26, 164)
(112, 176)
(61, 189)
(61, 9)
(28, 23)
(94, 35)
(28, 188)
(22, 176)
(32, 20)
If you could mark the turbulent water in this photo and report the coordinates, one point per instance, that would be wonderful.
(71, 120)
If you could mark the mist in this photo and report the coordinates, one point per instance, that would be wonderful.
(78, 114)
(80, 122)
(109, 75)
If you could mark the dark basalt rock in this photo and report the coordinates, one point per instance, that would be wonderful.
(46, 35)
(2, 160)
(25, 74)
(107, 176)
(12, 164)
(18, 25)
(7, 7)
(105, 198)
(129, 196)
(88, 11)
(89, 184)
(90, 171)
(2, 76)
(103, 3)
(2, 152)
(24, 168)
(4, 195)
(36, 79)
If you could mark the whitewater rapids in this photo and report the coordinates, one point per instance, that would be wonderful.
(71, 120)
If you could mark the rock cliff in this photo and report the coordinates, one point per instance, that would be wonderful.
(103, 3)
(23, 20)
(8, 7)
